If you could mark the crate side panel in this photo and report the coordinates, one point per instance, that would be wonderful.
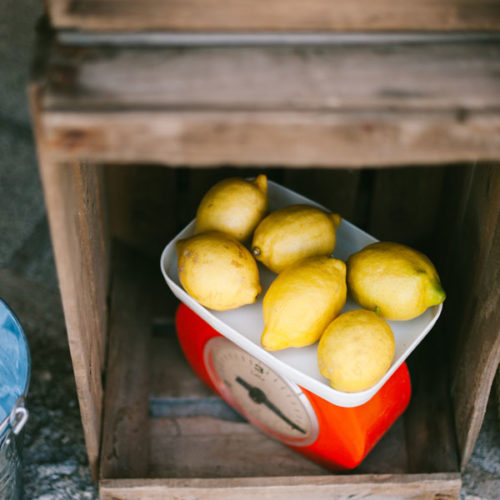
(74, 195)
(281, 15)
(205, 447)
(80, 272)
(475, 320)
(125, 443)
(410, 487)
(429, 425)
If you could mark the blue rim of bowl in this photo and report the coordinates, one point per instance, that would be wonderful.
(6, 422)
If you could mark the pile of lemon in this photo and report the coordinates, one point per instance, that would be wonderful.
(303, 304)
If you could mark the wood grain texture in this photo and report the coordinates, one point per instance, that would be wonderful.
(125, 444)
(264, 139)
(477, 268)
(346, 77)
(171, 376)
(76, 215)
(414, 487)
(352, 106)
(279, 15)
(85, 322)
(430, 433)
(206, 447)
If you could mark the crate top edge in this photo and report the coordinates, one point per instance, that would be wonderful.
(294, 15)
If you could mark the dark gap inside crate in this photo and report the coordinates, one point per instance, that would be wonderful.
(186, 429)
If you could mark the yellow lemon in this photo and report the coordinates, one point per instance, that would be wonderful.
(355, 350)
(301, 301)
(293, 233)
(217, 271)
(233, 206)
(397, 281)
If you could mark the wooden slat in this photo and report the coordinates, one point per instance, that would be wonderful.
(263, 139)
(125, 444)
(476, 319)
(287, 15)
(330, 106)
(354, 487)
(171, 375)
(90, 191)
(457, 76)
(430, 433)
(78, 277)
(206, 447)
(73, 196)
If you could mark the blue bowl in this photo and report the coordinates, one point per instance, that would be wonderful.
(15, 368)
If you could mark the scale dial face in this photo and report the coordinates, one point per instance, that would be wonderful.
(270, 402)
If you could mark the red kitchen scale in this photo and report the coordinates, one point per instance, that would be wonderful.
(282, 392)
(333, 436)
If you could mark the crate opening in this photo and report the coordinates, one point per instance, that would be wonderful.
(160, 421)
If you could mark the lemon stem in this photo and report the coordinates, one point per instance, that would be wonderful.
(256, 251)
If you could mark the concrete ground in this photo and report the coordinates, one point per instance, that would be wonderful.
(55, 463)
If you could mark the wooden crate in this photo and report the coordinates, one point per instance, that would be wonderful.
(108, 120)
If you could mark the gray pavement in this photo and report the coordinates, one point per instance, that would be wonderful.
(55, 463)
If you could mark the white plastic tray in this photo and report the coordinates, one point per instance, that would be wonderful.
(244, 325)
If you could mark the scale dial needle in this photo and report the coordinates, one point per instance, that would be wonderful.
(258, 396)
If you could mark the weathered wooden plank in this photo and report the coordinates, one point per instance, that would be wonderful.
(125, 443)
(85, 319)
(197, 447)
(414, 487)
(85, 329)
(171, 375)
(283, 15)
(430, 433)
(476, 317)
(271, 138)
(73, 193)
(90, 191)
(337, 106)
(420, 76)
